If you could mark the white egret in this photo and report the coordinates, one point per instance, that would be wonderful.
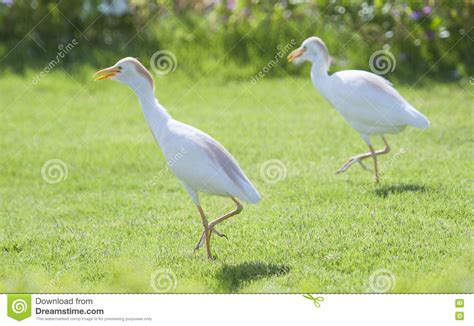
(200, 162)
(367, 101)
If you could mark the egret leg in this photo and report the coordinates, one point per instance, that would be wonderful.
(202, 239)
(206, 234)
(376, 169)
(360, 157)
(235, 211)
(209, 227)
(205, 237)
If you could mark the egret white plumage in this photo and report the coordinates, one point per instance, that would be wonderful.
(367, 101)
(200, 162)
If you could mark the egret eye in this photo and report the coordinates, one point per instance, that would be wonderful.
(120, 68)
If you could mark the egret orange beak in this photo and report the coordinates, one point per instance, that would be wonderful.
(295, 54)
(109, 72)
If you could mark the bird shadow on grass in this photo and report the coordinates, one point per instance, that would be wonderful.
(387, 190)
(233, 277)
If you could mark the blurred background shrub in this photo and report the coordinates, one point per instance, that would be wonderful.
(237, 38)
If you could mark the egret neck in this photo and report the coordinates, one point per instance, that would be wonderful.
(156, 115)
(319, 74)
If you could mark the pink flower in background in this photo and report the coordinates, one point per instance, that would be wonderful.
(231, 4)
(427, 10)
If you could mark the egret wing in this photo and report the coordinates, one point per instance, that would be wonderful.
(372, 100)
(209, 167)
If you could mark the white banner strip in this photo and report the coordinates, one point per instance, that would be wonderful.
(239, 309)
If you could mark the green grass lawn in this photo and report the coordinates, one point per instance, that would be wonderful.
(120, 222)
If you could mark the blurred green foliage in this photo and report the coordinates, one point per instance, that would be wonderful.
(238, 37)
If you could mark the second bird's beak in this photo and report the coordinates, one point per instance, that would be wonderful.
(106, 73)
(295, 54)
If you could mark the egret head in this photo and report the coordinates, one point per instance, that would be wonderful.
(129, 71)
(314, 50)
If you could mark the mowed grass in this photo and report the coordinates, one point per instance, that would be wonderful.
(120, 222)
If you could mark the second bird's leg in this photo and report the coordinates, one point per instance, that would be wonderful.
(360, 157)
(376, 169)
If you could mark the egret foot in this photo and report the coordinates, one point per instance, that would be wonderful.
(209, 227)
(359, 158)
(353, 160)
(203, 238)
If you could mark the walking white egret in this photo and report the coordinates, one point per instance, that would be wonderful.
(367, 101)
(200, 162)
